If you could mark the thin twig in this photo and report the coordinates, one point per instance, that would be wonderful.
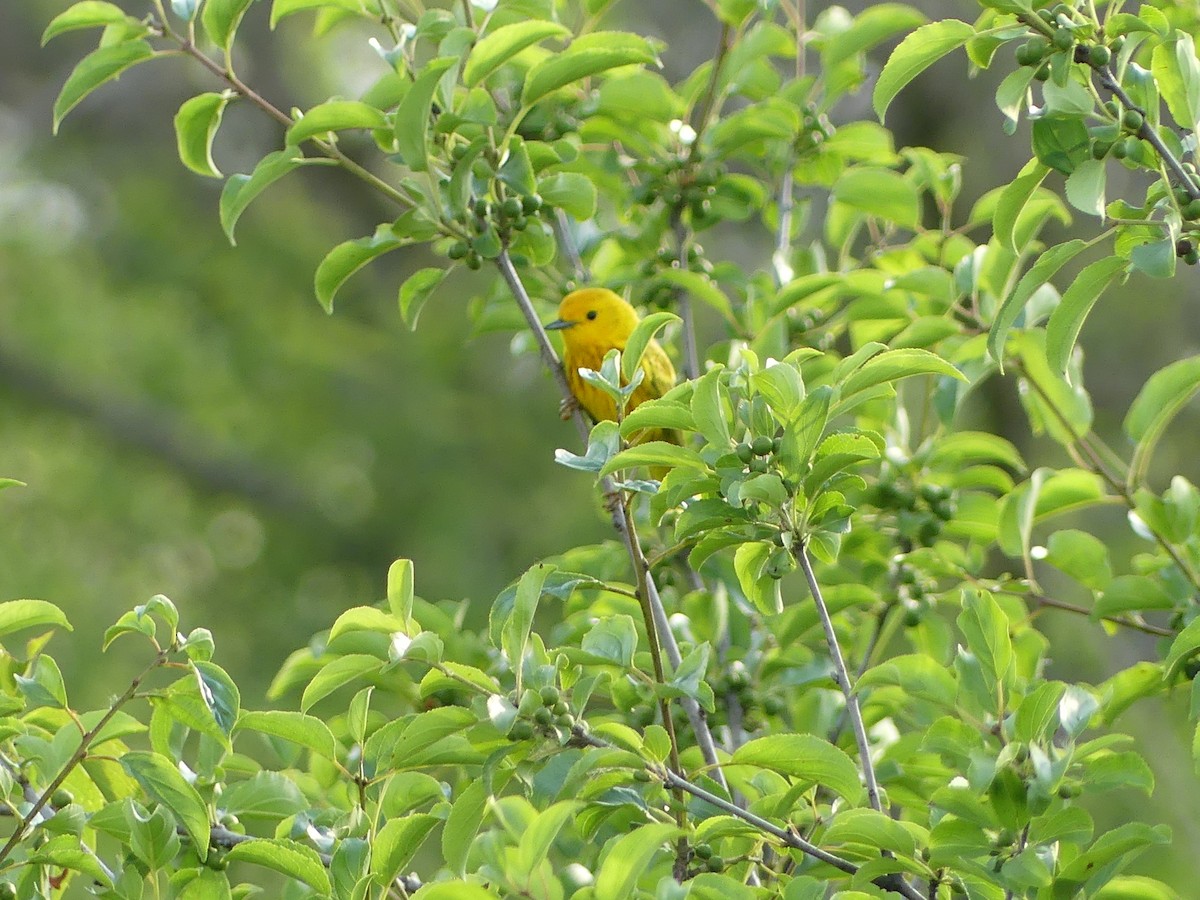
(80, 752)
(842, 676)
(566, 237)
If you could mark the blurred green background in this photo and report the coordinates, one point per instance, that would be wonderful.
(190, 422)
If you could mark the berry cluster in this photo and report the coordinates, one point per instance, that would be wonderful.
(541, 712)
(920, 513)
(493, 223)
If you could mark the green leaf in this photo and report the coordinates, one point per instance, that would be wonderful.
(538, 838)
(335, 115)
(396, 843)
(515, 637)
(871, 828)
(1154, 258)
(307, 731)
(1081, 555)
(613, 638)
(892, 365)
(985, 628)
(196, 125)
(159, 777)
(44, 685)
(1037, 716)
(219, 693)
(400, 589)
(501, 45)
(339, 672)
(1161, 398)
(805, 757)
(1013, 200)
(588, 55)
(1177, 73)
(416, 291)
(657, 414)
(1085, 189)
(86, 14)
(655, 453)
(65, 851)
(1067, 319)
(347, 258)
(571, 192)
(266, 794)
(873, 25)
(454, 890)
(635, 346)
(221, 19)
(462, 824)
(880, 192)
(283, 8)
(413, 113)
(240, 190)
(627, 859)
(709, 408)
(290, 858)
(95, 69)
(16, 615)
(1127, 593)
(1061, 144)
(1039, 273)
(914, 55)
(1183, 648)
(919, 676)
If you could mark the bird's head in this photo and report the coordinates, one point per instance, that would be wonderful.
(595, 316)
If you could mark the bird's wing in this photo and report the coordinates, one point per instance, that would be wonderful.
(660, 374)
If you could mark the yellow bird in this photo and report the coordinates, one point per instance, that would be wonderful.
(594, 321)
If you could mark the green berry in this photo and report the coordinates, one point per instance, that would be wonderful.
(560, 708)
(744, 452)
(458, 151)
(458, 250)
(1099, 55)
(1192, 210)
(1100, 149)
(521, 731)
(549, 695)
(566, 720)
(703, 850)
(511, 208)
(715, 864)
(474, 261)
(1042, 74)
(530, 204)
(543, 716)
(1183, 247)
(762, 445)
(641, 775)
(758, 466)
(520, 223)
(1112, 108)
(1132, 120)
(776, 445)
(1063, 39)
(1119, 150)
(62, 797)
(1192, 258)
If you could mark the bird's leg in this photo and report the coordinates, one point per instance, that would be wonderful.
(567, 407)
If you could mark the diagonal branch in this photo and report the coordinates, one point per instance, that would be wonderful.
(842, 676)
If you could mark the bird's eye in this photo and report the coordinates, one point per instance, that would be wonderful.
(591, 314)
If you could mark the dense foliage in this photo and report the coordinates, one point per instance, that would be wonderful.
(808, 660)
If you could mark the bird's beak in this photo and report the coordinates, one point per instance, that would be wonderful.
(558, 325)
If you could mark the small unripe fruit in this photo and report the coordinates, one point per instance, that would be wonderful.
(1063, 39)
(1192, 210)
(530, 204)
(1132, 120)
(1099, 55)
(458, 250)
(481, 207)
(703, 850)
(521, 731)
(744, 452)
(715, 864)
(520, 223)
(1100, 149)
(62, 797)
(511, 207)
(776, 444)
(758, 466)
(641, 775)
(560, 708)
(458, 151)
(549, 695)
(1192, 258)
(1112, 108)
(1118, 150)
(762, 445)
(1042, 74)
(543, 716)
